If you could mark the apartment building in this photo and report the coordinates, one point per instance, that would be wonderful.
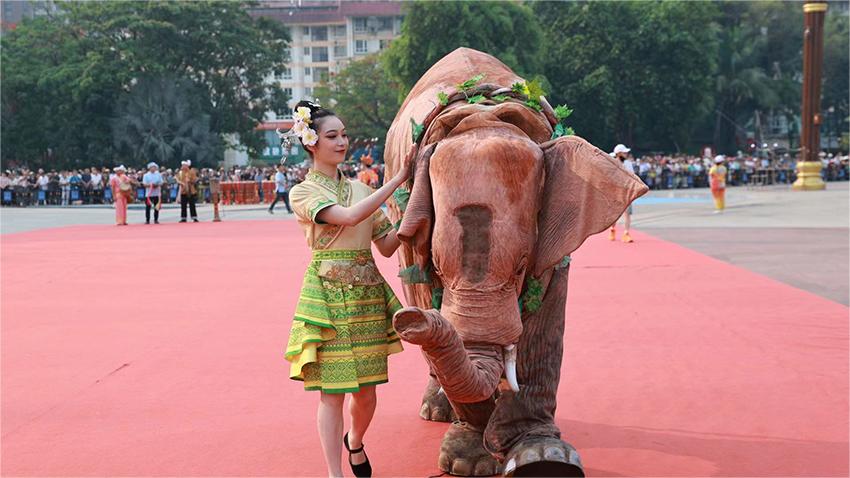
(326, 36)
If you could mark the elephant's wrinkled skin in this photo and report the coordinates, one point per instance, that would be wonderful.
(495, 204)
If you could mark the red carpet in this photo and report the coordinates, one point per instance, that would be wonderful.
(158, 351)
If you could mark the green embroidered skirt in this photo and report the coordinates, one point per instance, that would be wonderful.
(342, 332)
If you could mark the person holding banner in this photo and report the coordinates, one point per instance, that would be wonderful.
(152, 181)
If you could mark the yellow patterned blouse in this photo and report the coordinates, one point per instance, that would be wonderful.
(318, 192)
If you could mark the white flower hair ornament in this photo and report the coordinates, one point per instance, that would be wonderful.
(300, 129)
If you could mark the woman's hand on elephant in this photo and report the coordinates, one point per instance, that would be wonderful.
(406, 166)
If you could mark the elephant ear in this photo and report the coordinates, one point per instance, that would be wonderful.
(418, 219)
(586, 191)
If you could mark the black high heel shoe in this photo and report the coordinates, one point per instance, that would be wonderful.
(363, 470)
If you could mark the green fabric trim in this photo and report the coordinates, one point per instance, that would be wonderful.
(318, 208)
(383, 229)
(564, 263)
(313, 322)
(341, 254)
(328, 182)
(305, 341)
(315, 388)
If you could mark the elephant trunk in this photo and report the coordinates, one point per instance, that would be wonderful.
(468, 374)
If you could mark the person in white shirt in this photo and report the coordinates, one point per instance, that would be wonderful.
(152, 180)
(282, 191)
(42, 182)
(621, 152)
(65, 184)
(97, 185)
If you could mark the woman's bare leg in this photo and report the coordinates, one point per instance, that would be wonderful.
(330, 423)
(362, 409)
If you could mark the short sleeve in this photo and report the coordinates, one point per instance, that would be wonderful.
(306, 202)
(381, 225)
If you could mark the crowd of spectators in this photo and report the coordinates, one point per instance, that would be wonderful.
(664, 171)
(25, 187)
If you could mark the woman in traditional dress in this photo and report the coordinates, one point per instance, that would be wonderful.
(122, 187)
(342, 331)
(717, 182)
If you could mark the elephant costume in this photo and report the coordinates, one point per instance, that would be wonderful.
(495, 208)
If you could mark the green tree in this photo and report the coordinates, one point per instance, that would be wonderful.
(364, 95)
(635, 72)
(432, 29)
(161, 120)
(65, 73)
(760, 59)
(836, 64)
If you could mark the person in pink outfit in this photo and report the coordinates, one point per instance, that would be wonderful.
(122, 190)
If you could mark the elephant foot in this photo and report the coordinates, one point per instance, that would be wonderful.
(543, 456)
(462, 453)
(435, 404)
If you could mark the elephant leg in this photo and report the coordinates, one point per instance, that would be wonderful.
(522, 430)
(462, 451)
(435, 405)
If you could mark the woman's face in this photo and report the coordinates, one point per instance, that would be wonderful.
(333, 141)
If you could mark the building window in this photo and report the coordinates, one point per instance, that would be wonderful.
(385, 23)
(287, 92)
(385, 44)
(308, 71)
(285, 74)
(340, 31)
(360, 25)
(361, 47)
(308, 92)
(319, 33)
(306, 31)
(321, 74)
(340, 51)
(306, 51)
(320, 53)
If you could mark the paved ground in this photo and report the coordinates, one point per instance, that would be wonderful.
(799, 238)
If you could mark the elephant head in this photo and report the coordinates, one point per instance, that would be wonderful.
(495, 201)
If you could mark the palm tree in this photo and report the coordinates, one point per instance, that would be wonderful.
(161, 120)
(742, 85)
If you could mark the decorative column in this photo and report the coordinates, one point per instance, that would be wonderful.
(215, 192)
(809, 165)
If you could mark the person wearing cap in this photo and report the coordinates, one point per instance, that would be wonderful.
(152, 181)
(717, 182)
(621, 152)
(119, 195)
(187, 178)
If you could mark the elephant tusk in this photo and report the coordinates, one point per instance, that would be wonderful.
(510, 367)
